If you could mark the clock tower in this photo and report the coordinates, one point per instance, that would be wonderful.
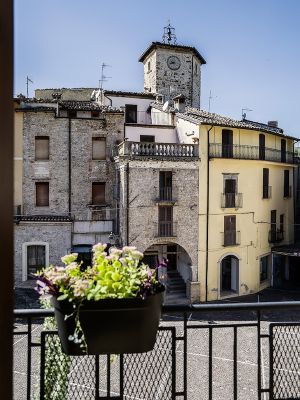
(171, 69)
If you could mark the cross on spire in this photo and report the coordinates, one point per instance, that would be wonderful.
(169, 36)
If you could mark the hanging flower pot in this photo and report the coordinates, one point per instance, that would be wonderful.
(114, 306)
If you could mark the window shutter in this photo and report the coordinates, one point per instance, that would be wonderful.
(99, 149)
(42, 194)
(98, 193)
(42, 148)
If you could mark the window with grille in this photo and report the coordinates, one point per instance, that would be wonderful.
(98, 193)
(42, 148)
(99, 148)
(42, 194)
(36, 259)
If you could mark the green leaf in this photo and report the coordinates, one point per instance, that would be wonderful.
(63, 297)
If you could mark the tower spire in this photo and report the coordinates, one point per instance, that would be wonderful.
(169, 36)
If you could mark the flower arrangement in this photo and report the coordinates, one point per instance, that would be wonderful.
(118, 274)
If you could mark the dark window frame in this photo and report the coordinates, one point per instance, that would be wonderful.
(266, 181)
(95, 195)
(131, 113)
(41, 138)
(147, 138)
(286, 183)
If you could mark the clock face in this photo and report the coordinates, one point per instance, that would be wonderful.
(173, 62)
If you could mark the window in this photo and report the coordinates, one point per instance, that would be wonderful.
(266, 190)
(227, 143)
(36, 259)
(283, 150)
(286, 184)
(273, 227)
(196, 69)
(42, 148)
(264, 268)
(98, 193)
(149, 66)
(230, 190)
(42, 194)
(281, 223)
(165, 221)
(99, 148)
(262, 147)
(72, 113)
(147, 138)
(131, 113)
(165, 185)
(95, 114)
(230, 230)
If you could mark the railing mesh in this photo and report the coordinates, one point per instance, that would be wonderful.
(285, 361)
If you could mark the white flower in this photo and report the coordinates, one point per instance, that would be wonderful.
(69, 258)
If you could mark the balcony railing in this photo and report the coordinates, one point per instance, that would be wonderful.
(231, 200)
(267, 192)
(165, 229)
(172, 150)
(258, 358)
(166, 194)
(246, 152)
(276, 236)
(231, 238)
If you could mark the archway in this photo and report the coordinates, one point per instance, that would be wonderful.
(229, 275)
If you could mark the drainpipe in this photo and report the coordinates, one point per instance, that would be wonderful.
(69, 166)
(207, 215)
(127, 204)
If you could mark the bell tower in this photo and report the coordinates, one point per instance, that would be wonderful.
(171, 69)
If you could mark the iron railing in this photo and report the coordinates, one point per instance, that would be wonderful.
(231, 200)
(231, 238)
(165, 229)
(190, 360)
(151, 149)
(247, 152)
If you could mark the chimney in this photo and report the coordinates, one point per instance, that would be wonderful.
(274, 124)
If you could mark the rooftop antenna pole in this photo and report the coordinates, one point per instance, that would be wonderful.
(27, 82)
(244, 115)
(169, 34)
(103, 77)
(210, 99)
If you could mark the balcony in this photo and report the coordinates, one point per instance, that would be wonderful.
(164, 229)
(245, 152)
(166, 194)
(276, 236)
(258, 358)
(231, 200)
(158, 150)
(231, 238)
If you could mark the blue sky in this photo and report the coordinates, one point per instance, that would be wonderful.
(251, 48)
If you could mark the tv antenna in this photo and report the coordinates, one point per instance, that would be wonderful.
(27, 83)
(244, 115)
(103, 77)
(169, 34)
(210, 99)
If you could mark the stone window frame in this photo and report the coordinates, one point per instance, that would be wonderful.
(25, 245)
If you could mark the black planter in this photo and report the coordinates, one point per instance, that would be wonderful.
(113, 326)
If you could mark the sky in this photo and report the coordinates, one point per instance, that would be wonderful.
(251, 49)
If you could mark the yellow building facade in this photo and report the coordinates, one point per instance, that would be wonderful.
(245, 207)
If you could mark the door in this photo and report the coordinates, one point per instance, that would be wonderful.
(172, 258)
(234, 274)
(229, 230)
(226, 274)
(227, 143)
(262, 147)
(230, 191)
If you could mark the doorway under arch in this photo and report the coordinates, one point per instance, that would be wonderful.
(229, 275)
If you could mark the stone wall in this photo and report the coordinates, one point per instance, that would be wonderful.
(66, 94)
(57, 235)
